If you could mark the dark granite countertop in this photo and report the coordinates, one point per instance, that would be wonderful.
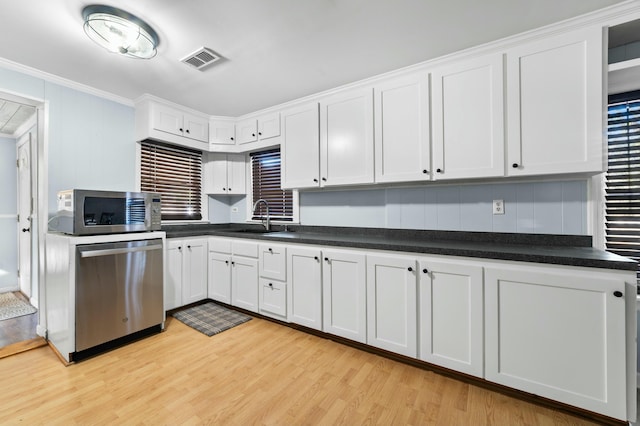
(574, 250)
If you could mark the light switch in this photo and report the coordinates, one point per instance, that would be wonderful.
(498, 206)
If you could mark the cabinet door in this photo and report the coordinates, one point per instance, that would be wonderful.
(167, 119)
(305, 286)
(468, 123)
(300, 152)
(215, 174)
(247, 131)
(196, 128)
(220, 277)
(269, 126)
(344, 288)
(402, 136)
(346, 138)
(559, 334)
(244, 283)
(236, 174)
(173, 282)
(555, 103)
(392, 303)
(451, 316)
(222, 132)
(273, 298)
(194, 284)
(273, 261)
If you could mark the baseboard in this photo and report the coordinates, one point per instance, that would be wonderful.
(41, 331)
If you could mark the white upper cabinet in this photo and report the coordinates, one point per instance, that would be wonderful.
(255, 129)
(300, 153)
(555, 105)
(346, 138)
(180, 123)
(222, 132)
(468, 119)
(402, 136)
(225, 174)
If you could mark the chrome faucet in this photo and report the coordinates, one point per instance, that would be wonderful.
(267, 226)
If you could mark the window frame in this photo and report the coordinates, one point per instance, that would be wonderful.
(249, 198)
(204, 205)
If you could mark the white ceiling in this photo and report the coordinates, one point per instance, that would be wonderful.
(274, 50)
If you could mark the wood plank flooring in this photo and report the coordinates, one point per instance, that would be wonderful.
(257, 373)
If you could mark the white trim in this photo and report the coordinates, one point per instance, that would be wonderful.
(52, 78)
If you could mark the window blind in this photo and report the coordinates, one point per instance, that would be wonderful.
(265, 169)
(622, 180)
(176, 173)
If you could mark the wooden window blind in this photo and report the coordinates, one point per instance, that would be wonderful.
(622, 180)
(176, 173)
(265, 169)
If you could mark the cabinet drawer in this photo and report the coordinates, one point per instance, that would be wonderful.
(273, 298)
(221, 245)
(244, 248)
(273, 261)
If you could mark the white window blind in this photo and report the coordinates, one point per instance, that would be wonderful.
(265, 172)
(176, 173)
(622, 180)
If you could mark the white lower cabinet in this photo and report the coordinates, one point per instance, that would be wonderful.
(344, 288)
(451, 315)
(558, 333)
(233, 272)
(304, 298)
(186, 272)
(392, 303)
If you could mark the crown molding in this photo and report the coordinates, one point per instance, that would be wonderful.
(52, 78)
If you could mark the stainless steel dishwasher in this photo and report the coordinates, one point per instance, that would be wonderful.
(118, 290)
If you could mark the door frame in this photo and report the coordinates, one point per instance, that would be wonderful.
(25, 140)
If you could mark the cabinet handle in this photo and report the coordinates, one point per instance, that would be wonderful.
(231, 137)
(271, 285)
(425, 171)
(326, 259)
(617, 293)
(188, 131)
(179, 248)
(233, 263)
(259, 133)
(180, 129)
(315, 180)
(270, 250)
(229, 189)
(324, 179)
(410, 269)
(438, 170)
(224, 189)
(189, 247)
(425, 271)
(226, 261)
(515, 165)
(253, 134)
(315, 258)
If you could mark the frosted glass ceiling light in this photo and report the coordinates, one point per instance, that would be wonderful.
(119, 31)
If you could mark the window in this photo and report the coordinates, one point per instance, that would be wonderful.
(176, 173)
(622, 180)
(265, 173)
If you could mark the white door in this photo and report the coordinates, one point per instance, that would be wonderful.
(346, 138)
(559, 334)
(244, 283)
(236, 174)
(402, 129)
(216, 174)
(468, 119)
(392, 304)
(451, 316)
(173, 281)
(220, 277)
(196, 128)
(269, 126)
(344, 288)
(555, 105)
(300, 152)
(25, 210)
(194, 285)
(305, 286)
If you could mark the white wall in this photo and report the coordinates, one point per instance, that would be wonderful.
(8, 216)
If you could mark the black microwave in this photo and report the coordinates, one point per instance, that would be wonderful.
(90, 212)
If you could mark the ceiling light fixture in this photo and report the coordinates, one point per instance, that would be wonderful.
(120, 32)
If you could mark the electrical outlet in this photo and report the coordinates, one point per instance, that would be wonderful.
(234, 210)
(498, 206)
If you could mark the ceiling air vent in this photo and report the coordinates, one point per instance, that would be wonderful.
(201, 58)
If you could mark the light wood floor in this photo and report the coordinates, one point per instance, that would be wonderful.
(256, 373)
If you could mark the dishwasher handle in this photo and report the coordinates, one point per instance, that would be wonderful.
(124, 250)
